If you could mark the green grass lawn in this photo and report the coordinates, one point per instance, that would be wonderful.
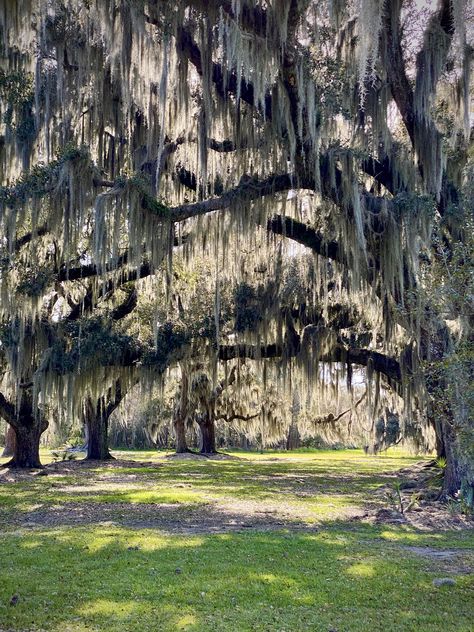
(263, 542)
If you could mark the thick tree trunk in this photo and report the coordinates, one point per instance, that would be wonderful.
(28, 430)
(28, 435)
(440, 447)
(452, 475)
(293, 440)
(180, 414)
(96, 420)
(10, 441)
(208, 434)
(441, 418)
(86, 435)
(27, 446)
(97, 446)
(180, 435)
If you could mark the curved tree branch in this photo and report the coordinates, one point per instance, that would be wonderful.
(249, 189)
(390, 367)
(330, 419)
(306, 236)
(7, 411)
(224, 82)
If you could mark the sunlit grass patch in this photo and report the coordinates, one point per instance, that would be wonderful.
(361, 570)
(108, 608)
(188, 621)
(134, 496)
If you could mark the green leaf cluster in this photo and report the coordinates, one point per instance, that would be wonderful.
(90, 343)
(41, 178)
(17, 93)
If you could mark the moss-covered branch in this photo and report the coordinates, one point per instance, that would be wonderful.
(42, 179)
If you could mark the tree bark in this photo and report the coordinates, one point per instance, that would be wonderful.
(10, 441)
(208, 434)
(96, 420)
(28, 428)
(438, 427)
(28, 435)
(440, 416)
(293, 440)
(180, 414)
(452, 475)
(180, 435)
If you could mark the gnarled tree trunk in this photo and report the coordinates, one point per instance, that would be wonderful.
(208, 399)
(293, 440)
(452, 474)
(208, 433)
(28, 430)
(28, 435)
(96, 420)
(10, 441)
(180, 435)
(440, 416)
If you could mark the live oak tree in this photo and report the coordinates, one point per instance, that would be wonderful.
(343, 127)
(275, 305)
(186, 333)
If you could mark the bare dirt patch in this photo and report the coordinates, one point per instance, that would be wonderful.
(420, 487)
(426, 516)
(166, 517)
(451, 561)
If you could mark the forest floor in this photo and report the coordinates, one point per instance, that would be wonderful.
(263, 542)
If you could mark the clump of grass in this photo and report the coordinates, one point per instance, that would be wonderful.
(63, 455)
(395, 499)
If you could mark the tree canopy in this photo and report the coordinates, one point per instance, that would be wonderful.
(282, 182)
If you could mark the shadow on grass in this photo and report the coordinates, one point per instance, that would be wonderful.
(191, 497)
(346, 577)
(167, 518)
(257, 480)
